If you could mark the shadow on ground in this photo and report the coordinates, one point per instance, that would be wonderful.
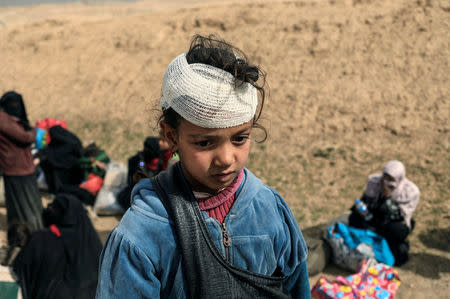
(427, 265)
(333, 270)
(436, 238)
(424, 264)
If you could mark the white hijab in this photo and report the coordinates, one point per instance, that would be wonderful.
(405, 193)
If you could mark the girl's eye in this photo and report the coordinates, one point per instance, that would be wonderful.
(240, 139)
(202, 143)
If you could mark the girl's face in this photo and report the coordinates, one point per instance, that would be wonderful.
(210, 158)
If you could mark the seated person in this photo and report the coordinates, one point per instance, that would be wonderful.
(168, 156)
(391, 200)
(59, 160)
(146, 161)
(154, 158)
(94, 160)
(61, 260)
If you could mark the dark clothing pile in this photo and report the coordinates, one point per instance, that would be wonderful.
(82, 194)
(60, 261)
(388, 222)
(23, 201)
(59, 160)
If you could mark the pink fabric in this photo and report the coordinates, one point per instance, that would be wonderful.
(373, 280)
(218, 206)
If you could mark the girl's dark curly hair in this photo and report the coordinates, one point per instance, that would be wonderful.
(213, 51)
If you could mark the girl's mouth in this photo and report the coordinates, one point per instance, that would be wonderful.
(224, 176)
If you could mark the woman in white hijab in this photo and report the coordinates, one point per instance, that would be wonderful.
(391, 200)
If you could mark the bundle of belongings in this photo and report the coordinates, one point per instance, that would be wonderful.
(106, 203)
(66, 167)
(59, 159)
(42, 126)
(361, 251)
(88, 173)
(350, 246)
(372, 280)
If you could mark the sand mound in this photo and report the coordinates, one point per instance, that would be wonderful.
(352, 85)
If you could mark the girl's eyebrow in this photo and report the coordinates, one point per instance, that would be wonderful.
(243, 130)
(206, 135)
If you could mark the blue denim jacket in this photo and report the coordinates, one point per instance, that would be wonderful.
(141, 258)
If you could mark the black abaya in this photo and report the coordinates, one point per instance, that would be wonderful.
(23, 201)
(60, 261)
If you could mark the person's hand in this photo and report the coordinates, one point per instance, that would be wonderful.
(36, 161)
(388, 184)
(100, 164)
(387, 191)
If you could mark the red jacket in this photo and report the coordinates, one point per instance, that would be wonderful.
(15, 147)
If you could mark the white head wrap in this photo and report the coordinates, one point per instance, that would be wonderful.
(207, 96)
(395, 169)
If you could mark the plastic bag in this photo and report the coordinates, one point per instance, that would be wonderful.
(93, 184)
(115, 180)
(46, 124)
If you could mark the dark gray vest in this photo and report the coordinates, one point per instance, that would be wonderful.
(207, 273)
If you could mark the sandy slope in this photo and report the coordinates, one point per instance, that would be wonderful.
(352, 85)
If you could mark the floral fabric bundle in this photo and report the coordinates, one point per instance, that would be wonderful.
(373, 280)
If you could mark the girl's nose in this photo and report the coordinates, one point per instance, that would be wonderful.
(224, 155)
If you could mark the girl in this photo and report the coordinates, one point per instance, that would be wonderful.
(207, 227)
(391, 200)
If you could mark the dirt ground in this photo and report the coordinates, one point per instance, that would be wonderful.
(353, 84)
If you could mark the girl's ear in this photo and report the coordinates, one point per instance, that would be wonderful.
(170, 134)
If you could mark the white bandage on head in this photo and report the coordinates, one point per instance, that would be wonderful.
(207, 96)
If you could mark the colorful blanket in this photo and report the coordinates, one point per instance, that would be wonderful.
(373, 280)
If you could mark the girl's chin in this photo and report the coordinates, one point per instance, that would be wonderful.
(213, 189)
(214, 184)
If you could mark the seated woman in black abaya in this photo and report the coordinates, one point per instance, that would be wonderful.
(391, 200)
(60, 261)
